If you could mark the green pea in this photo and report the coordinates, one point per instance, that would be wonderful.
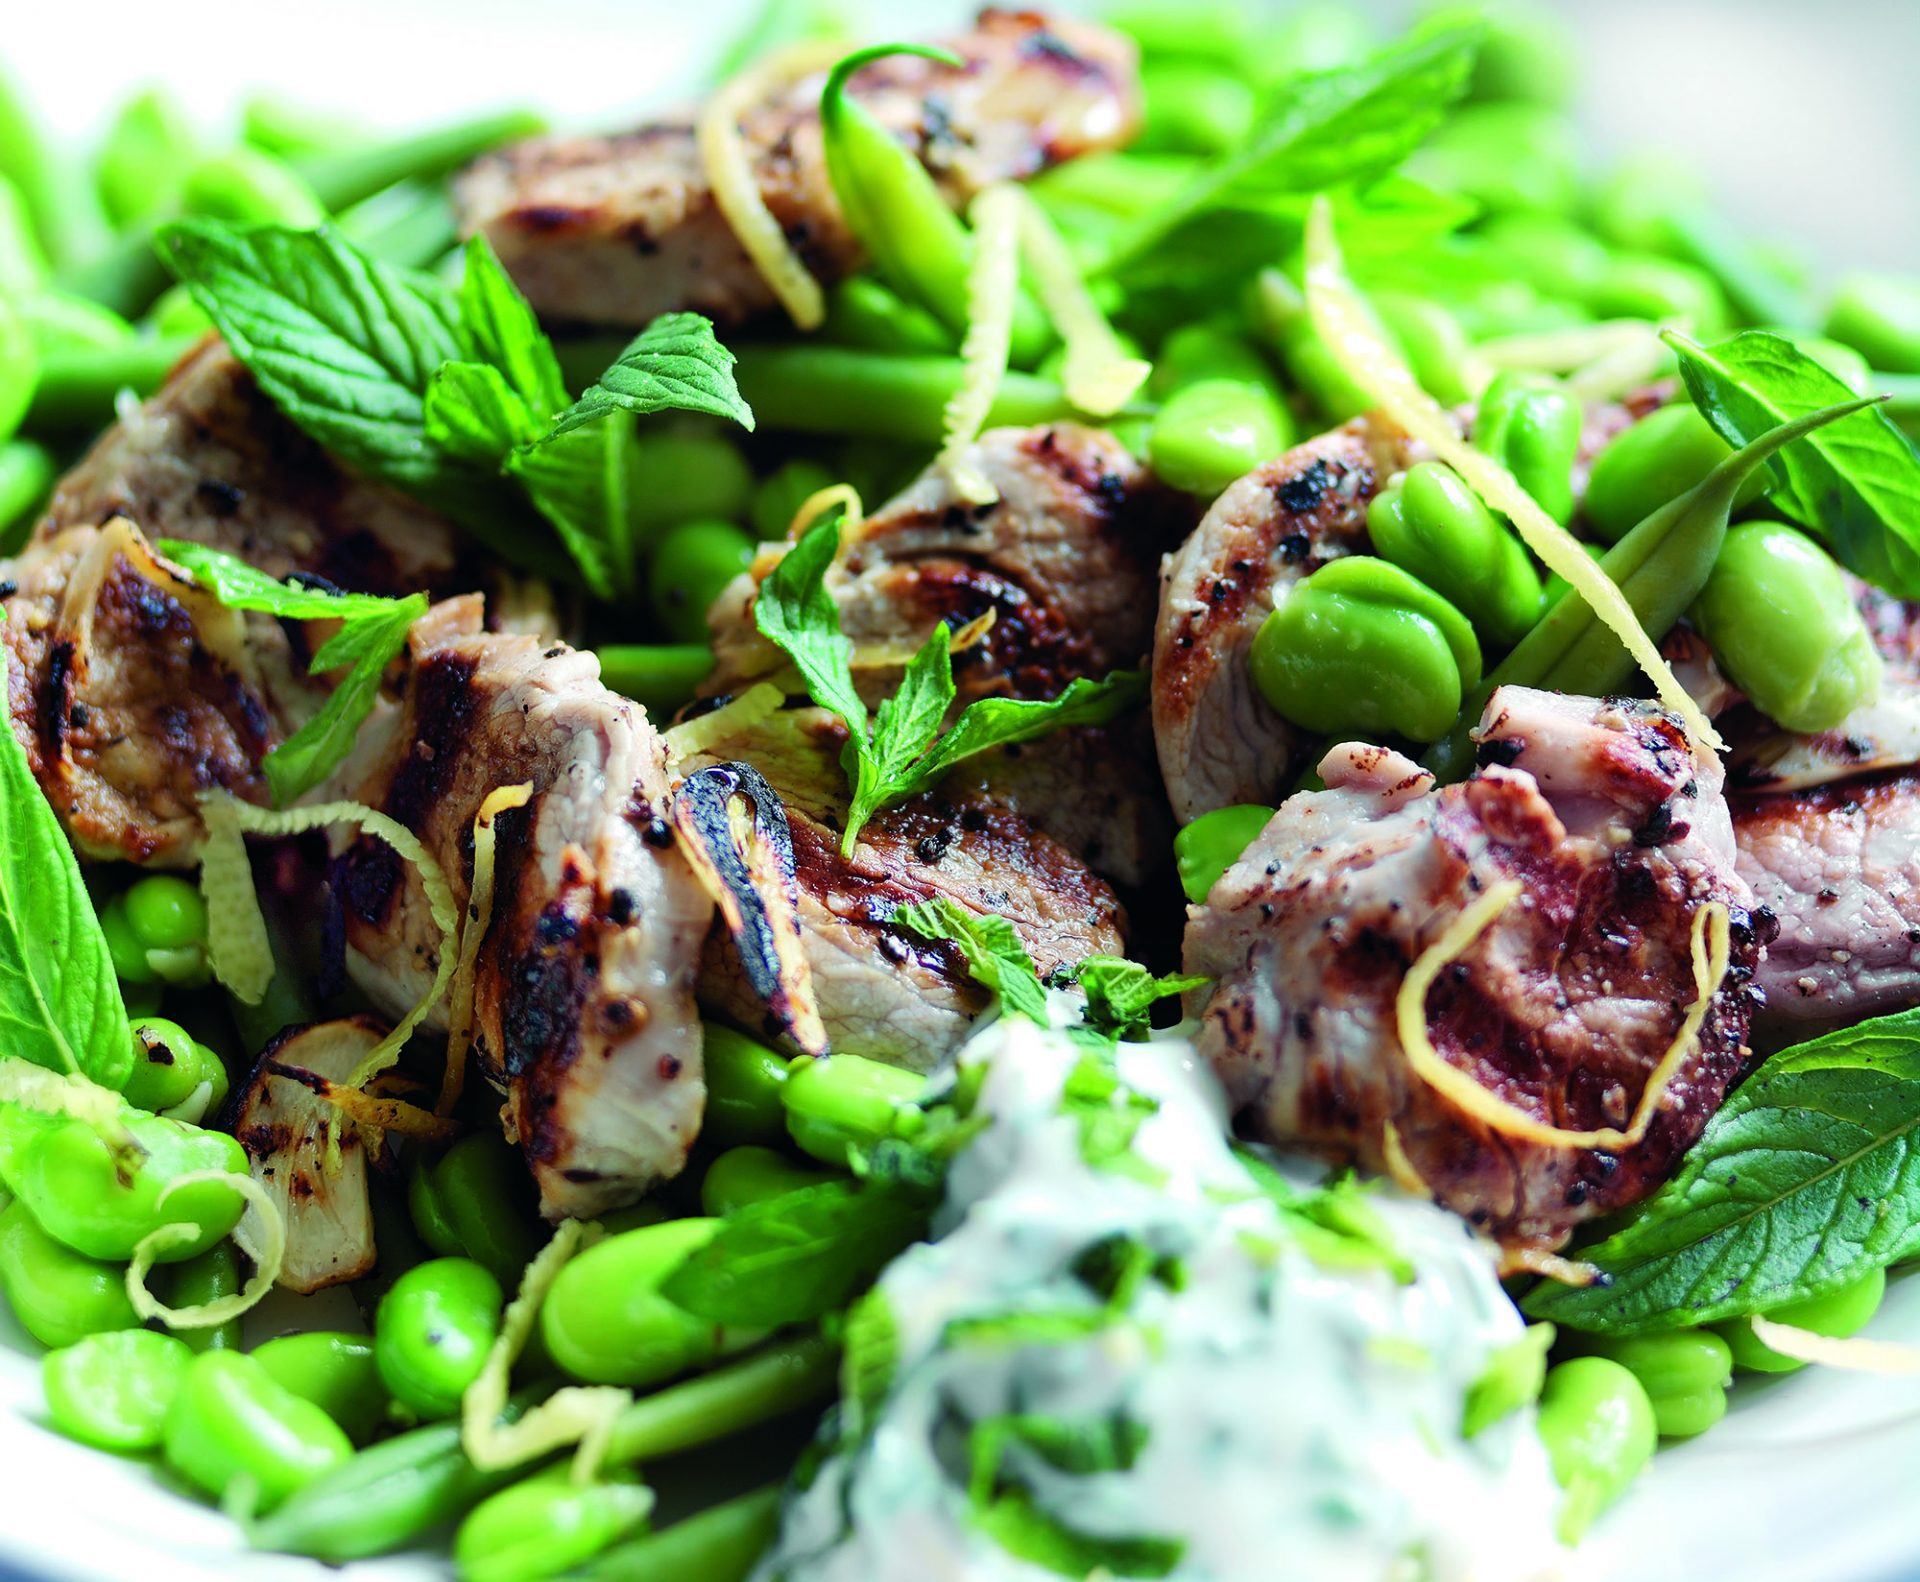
(337, 1372)
(488, 1199)
(149, 149)
(1360, 648)
(1212, 844)
(1193, 108)
(23, 261)
(1505, 157)
(1599, 1430)
(124, 946)
(781, 494)
(836, 1101)
(1685, 1373)
(1781, 620)
(1511, 1379)
(866, 312)
(174, 1073)
(167, 912)
(19, 368)
(546, 1525)
(684, 475)
(605, 1320)
(1532, 428)
(1434, 526)
(1550, 254)
(744, 1081)
(1647, 286)
(432, 1333)
(1435, 345)
(1652, 462)
(58, 1295)
(59, 320)
(1839, 1313)
(1879, 316)
(691, 566)
(743, 1176)
(114, 1389)
(1213, 432)
(197, 1281)
(232, 1424)
(244, 186)
(1205, 350)
(1558, 587)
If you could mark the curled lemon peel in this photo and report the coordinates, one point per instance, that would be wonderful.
(473, 929)
(727, 161)
(1710, 946)
(48, 1092)
(1342, 321)
(1099, 375)
(993, 284)
(582, 1415)
(820, 502)
(1851, 1353)
(267, 1254)
(704, 732)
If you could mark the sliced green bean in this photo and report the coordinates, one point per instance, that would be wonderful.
(787, 1376)
(78, 386)
(342, 177)
(27, 471)
(659, 677)
(720, 1544)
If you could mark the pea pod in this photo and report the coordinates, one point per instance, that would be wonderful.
(1360, 648)
(1212, 844)
(433, 1331)
(744, 1084)
(1685, 1373)
(843, 1101)
(1434, 526)
(546, 1525)
(1210, 433)
(1598, 1427)
(1840, 1313)
(1533, 430)
(337, 1372)
(114, 1389)
(1783, 624)
(148, 151)
(746, 1175)
(232, 1423)
(58, 1295)
(865, 312)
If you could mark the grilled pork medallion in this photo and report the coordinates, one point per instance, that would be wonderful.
(1562, 1007)
(1063, 564)
(583, 992)
(615, 230)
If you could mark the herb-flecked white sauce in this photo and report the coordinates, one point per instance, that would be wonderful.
(1301, 1422)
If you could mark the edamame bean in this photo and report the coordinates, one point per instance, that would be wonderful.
(1205, 350)
(432, 1333)
(58, 1295)
(744, 1082)
(487, 1197)
(1280, 311)
(1652, 462)
(691, 566)
(1532, 428)
(688, 475)
(1879, 316)
(197, 1281)
(1647, 286)
(1435, 345)
(836, 1101)
(170, 1069)
(1839, 1313)
(1212, 844)
(1685, 1373)
(147, 153)
(19, 368)
(1552, 255)
(247, 187)
(1434, 526)
(231, 1422)
(1782, 623)
(1599, 1430)
(743, 1176)
(114, 1389)
(781, 494)
(661, 677)
(336, 1372)
(606, 1322)
(1360, 648)
(1213, 432)
(545, 1526)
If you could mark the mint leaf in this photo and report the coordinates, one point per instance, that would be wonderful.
(1018, 1525)
(472, 412)
(1121, 994)
(1110, 1115)
(794, 611)
(1323, 130)
(1855, 483)
(904, 727)
(994, 953)
(499, 328)
(674, 365)
(60, 1004)
(1807, 1179)
(581, 483)
(239, 586)
(869, 1358)
(1002, 722)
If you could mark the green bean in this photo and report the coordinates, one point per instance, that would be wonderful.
(1208, 434)
(197, 1281)
(59, 205)
(606, 1322)
(1598, 1427)
(336, 1372)
(23, 262)
(488, 1200)
(720, 1544)
(1433, 525)
(868, 313)
(1193, 108)
(838, 1101)
(546, 1525)
(691, 567)
(788, 1376)
(1838, 1313)
(744, 1083)
(342, 177)
(659, 678)
(1685, 1373)
(232, 1424)
(1648, 286)
(77, 386)
(59, 320)
(1212, 844)
(58, 1295)
(114, 1389)
(1879, 316)
(1651, 463)
(19, 368)
(244, 186)
(746, 1175)
(1280, 312)
(171, 1069)
(290, 131)
(687, 476)
(814, 389)
(433, 1331)
(127, 276)
(27, 471)
(781, 494)
(411, 225)
(149, 148)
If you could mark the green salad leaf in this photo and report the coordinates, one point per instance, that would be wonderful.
(674, 365)
(60, 1003)
(994, 953)
(499, 329)
(1855, 483)
(902, 750)
(1807, 1179)
(373, 632)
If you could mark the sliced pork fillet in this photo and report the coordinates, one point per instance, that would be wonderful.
(583, 1007)
(1561, 1007)
(616, 230)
